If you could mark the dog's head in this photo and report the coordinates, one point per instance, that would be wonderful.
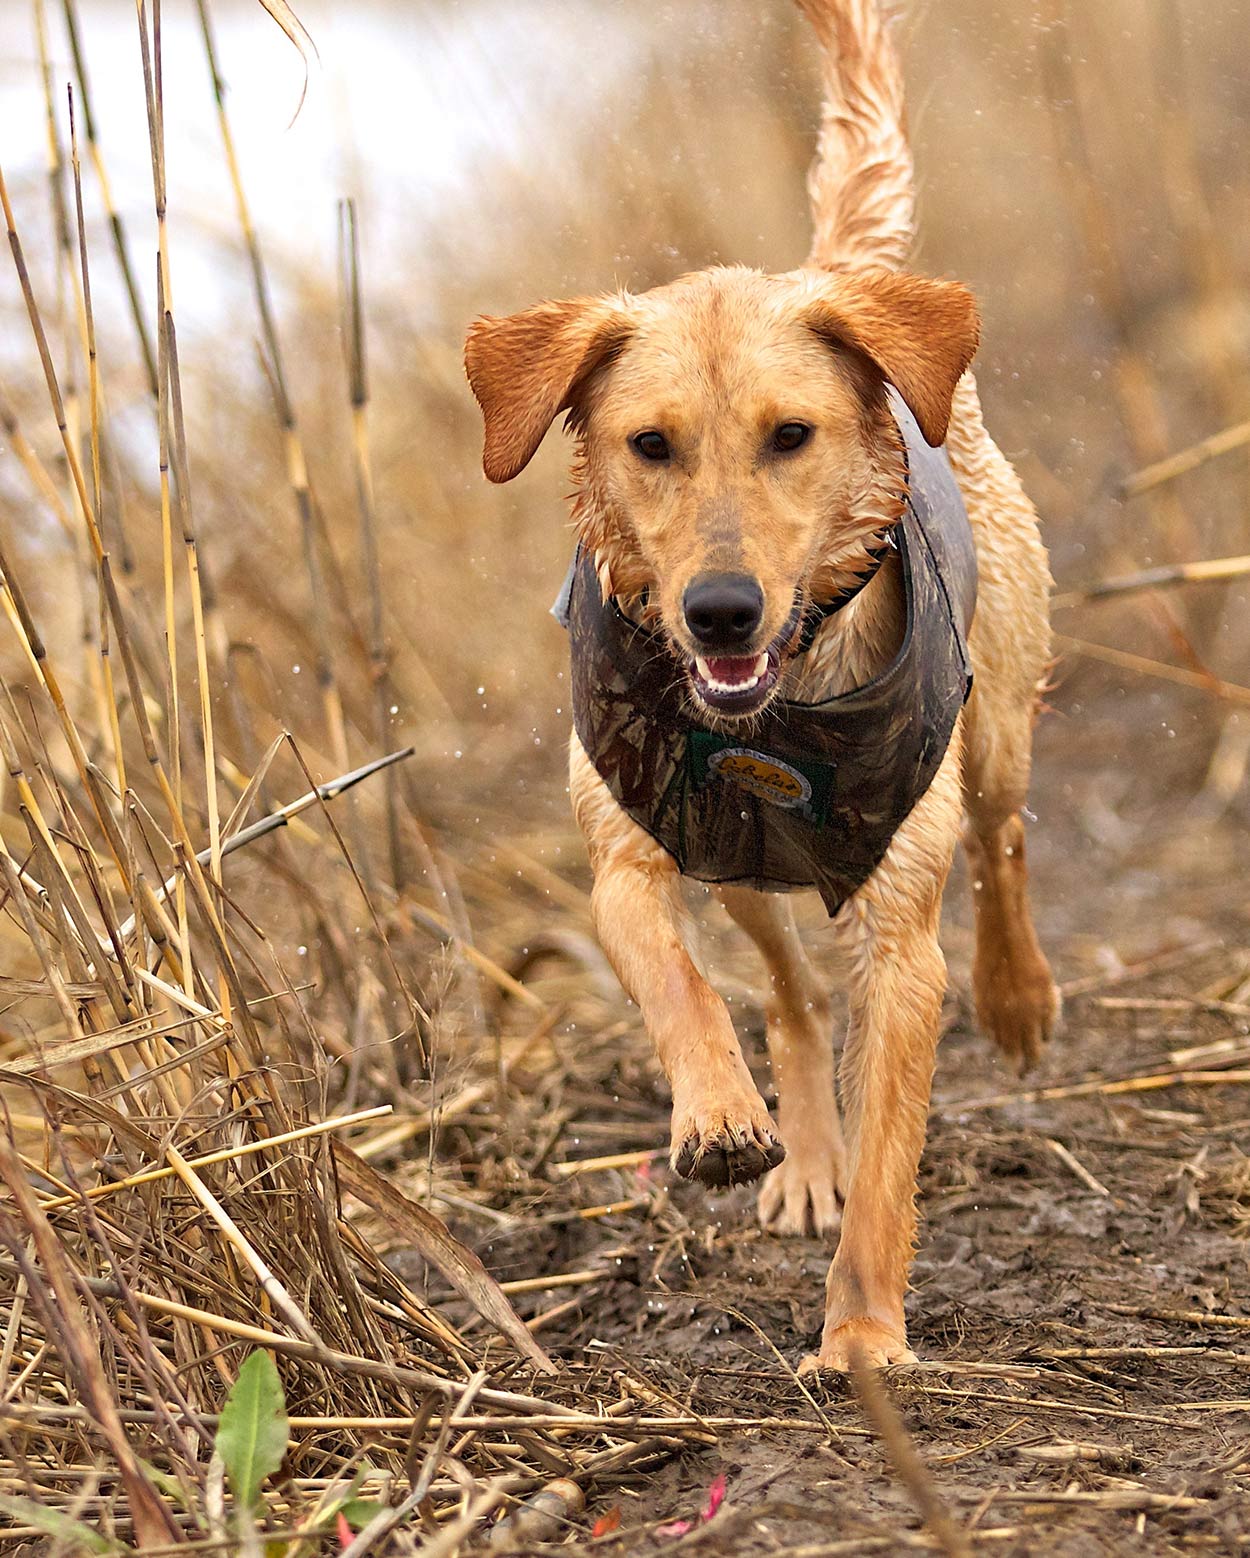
(735, 448)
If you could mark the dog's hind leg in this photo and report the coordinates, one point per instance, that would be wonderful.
(722, 1133)
(1016, 999)
(803, 1193)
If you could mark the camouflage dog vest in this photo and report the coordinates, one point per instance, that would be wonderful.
(804, 794)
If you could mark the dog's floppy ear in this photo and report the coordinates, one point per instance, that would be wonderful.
(921, 334)
(527, 367)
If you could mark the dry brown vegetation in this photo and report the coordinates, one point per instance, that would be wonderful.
(203, 1024)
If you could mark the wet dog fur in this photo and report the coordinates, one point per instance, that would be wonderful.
(683, 402)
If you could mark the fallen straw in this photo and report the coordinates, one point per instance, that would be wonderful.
(615, 1160)
(1215, 568)
(1077, 1167)
(1139, 1084)
(1185, 460)
(1230, 692)
(226, 1155)
(270, 1284)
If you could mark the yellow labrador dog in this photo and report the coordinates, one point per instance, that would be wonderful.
(808, 617)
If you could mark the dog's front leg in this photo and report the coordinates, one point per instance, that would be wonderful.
(807, 1189)
(721, 1132)
(897, 976)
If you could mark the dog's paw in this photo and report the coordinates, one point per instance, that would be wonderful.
(1020, 1008)
(879, 1345)
(725, 1145)
(804, 1194)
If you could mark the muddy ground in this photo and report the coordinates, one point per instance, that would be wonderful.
(1081, 1302)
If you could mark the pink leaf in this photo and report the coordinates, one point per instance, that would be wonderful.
(715, 1497)
(344, 1532)
(675, 1528)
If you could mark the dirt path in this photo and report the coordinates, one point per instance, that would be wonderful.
(1080, 1292)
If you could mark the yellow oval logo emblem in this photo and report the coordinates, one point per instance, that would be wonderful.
(766, 777)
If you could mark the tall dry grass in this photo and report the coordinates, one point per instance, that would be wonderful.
(231, 576)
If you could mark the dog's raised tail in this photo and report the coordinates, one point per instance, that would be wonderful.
(862, 183)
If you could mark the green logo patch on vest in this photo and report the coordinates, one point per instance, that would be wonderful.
(789, 783)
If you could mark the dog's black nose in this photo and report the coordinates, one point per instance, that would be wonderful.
(723, 610)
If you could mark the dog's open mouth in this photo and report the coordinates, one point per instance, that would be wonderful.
(743, 684)
(736, 684)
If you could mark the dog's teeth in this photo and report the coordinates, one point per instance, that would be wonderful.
(714, 683)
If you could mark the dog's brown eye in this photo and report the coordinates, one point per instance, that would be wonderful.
(651, 446)
(789, 436)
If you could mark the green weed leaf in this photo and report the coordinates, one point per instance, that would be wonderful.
(252, 1434)
(358, 1512)
(62, 1526)
(164, 1483)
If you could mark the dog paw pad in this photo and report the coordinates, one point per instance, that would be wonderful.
(727, 1159)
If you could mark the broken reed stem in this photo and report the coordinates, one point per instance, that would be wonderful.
(69, 312)
(116, 227)
(183, 470)
(36, 471)
(614, 1160)
(274, 367)
(415, 1009)
(1230, 692)
(173, 441)
(49, 372)
(71, 274)
(164, 303)
(1215, 568)
(88, 317)
(109, 691)
(352, 312)
(1185, 460)
(1075, 1165)
(282, 817)
(173, 712)
(914, 1475)
(151, 56)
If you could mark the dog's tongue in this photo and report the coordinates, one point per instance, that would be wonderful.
(730, 670)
